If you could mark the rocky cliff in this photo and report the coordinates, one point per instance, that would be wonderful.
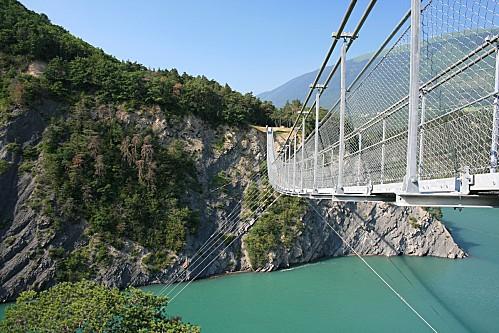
(368, 229)
(28, 246)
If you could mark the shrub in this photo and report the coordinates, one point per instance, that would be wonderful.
(75, 267)
(12, 147)
(414, 222)
(435, 212)
(4, 166)
(89, 307)
(156, 262)
(56, 252)
(277, 227)
(26, 166)
(9, 240)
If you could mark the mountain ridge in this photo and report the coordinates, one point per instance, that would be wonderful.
(297, 87)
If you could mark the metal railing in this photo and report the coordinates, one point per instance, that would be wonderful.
(421, 118)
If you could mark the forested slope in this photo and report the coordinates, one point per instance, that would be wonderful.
(116, 173)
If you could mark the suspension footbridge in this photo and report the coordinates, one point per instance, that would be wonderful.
(419, 125)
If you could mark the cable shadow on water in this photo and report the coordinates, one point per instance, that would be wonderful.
(418, 278)
(456, 233)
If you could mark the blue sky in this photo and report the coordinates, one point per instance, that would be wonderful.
(252, 45)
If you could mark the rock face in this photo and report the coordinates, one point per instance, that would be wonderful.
(366, 229)
(26, 242)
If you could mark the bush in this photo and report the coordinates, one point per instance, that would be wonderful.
(75, 267)
(9, 240)
(435, 212)
(220, 181)
(156, 262)
(12, 147)
(278, 226)
(89, 307)
(56, 252)
(414, 222)
(26, 166)
(123, 182)
(228, 239)
(4, 166)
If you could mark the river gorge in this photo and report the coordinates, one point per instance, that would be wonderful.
(341, 294)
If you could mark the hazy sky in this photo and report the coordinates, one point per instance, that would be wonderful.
(253, 45)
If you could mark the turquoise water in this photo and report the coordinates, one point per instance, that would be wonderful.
(343, 295)
(3, 307)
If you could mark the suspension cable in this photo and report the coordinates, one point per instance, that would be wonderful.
(221, 231)
(373, 270)
(257, 175)
(256, 214)
(356, 31)
(211, 242)
(340, 29)
(237, 237)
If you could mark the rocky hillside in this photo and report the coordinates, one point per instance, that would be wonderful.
(118, 174)
(32, 252)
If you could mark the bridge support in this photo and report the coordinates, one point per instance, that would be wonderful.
(285, 169)
(288, 166)
(359, 164)
(495, 121)
(343, 97)
(411, 174)
(421, 133)
(319, 88)
(302, 151)
(294, 163)
(382, 176)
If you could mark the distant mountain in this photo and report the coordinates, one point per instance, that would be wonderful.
(297, 88)
(453, 45)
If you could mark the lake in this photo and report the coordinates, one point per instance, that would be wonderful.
(343, 295)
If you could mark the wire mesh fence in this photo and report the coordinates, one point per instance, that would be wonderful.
(458, 50)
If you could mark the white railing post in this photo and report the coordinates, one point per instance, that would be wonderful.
(302, 150)
(323, 168)
(343, 90)
(316, 136)
(421, 133)
(294, 164)
(360, 158)
(332, 166)
(284, 164)
(411, 174)
(495, 119)
(289, 166)
(383, 152)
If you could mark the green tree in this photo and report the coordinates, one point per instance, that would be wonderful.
(277, 227)
(89, 307)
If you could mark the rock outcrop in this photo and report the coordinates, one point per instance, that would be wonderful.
(27, 245)
(366, 229)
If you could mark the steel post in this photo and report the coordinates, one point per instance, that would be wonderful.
(495, 119)
(411, 176)
(285, 171)
(331, 167)
(323, 169)
(316, 136)
(383, 152)
(421, 134)
(341, 154)
(302, 150)
(360, 158)
(289, 166)
(294, 164)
